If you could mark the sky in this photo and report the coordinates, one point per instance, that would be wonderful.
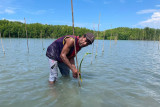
(87, 13)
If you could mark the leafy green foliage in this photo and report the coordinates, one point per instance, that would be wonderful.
(125, 33)
(37, 30)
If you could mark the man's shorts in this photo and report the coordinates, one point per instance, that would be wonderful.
(54, 65)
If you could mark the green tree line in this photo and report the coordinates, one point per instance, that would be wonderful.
(125, 33)
(37, 30)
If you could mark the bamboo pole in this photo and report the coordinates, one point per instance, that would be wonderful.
(159, 40)
(143, 35)
(154, 35)
(92, 53)
(18, 34)
(9, 37)
(93, 44)
(2, 44)
(98, 35)
(75, 44)
(103, 41)
(116, 37)
(111, 36)
(26, 35)
(42, 40)
(159, 43)
(9, 33)
(18, 37)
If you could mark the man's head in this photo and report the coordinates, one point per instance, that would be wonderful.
(86, 39)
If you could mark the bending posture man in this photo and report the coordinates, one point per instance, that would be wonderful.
(61, 54)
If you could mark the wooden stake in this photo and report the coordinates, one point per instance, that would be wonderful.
(42, 39)
(2, 44)
(115, 38)
(18, 34)
(26, 35)
(98, 34)
(93, 43)
(103, 41)
(9, 37)
(75, 44)
(111, 36)
(159, 43)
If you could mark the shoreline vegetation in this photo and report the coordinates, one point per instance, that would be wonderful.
(10, 29)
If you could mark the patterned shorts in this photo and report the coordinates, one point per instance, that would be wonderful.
(54, 65)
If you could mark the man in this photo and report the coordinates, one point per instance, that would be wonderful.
(61, 54)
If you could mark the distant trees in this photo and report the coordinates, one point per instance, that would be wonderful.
(125, 33)
(37, 30)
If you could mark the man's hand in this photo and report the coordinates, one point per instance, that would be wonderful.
(75, 73)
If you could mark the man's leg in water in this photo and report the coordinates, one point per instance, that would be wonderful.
(53, 75)
(64, 69)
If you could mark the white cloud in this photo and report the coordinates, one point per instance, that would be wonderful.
(38, 12)
(157, 5)
(9, 11)
(13, 20)
(154, 21)
(146, 11)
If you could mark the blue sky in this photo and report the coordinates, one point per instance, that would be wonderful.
(113, 13)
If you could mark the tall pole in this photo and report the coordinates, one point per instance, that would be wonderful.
(98, 34)
(75, 44)
(158, 45)
(72, 16)
(2, 44)
(41, 39)
(9, 37)
(93, 44)
(26, 35)
(103, 41)
(111, 36)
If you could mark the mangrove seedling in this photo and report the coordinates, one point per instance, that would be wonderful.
(81, 64)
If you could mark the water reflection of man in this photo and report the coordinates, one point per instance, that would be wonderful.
(61, 54)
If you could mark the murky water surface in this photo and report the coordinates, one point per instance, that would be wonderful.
(126, 74)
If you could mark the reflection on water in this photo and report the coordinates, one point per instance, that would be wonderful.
(127, 74)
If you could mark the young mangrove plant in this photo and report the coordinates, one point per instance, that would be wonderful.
(81, 65)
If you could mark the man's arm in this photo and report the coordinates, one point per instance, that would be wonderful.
(68, 44)
(72, 62)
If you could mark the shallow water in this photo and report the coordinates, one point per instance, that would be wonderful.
(126, 74)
